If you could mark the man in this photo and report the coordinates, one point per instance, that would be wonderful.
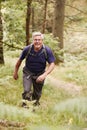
(34, 72)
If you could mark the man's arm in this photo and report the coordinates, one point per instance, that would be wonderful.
(50, 68)
(15, 75)
(48, 71)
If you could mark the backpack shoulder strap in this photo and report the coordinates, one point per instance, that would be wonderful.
(44, 51)
(29, 50)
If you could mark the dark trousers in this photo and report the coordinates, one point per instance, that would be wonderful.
(32, 89)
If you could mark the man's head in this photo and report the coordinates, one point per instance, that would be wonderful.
(37, 40)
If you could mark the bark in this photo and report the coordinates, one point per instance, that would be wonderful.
(1, 39)
(33, 24)
(58, 23)
(28, 22)
(45, 13)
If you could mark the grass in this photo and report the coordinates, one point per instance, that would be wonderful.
(73, 111)
(14, 113)
(73, 70)
(58, 109)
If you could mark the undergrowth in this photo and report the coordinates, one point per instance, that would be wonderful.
(58, 109)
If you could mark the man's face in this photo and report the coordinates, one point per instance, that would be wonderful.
(37, 42)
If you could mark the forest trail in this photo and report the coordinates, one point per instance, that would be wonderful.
(71, 88)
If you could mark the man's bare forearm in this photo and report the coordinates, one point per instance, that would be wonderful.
(15, 75)
(50, 68)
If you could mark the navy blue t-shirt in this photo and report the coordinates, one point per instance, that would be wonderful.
(36, 61)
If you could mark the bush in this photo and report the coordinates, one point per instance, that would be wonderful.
(52, 42)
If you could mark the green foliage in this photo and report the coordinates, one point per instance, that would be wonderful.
(73, 111)
(8, 90)
(13, 113)
(53, 44)
(76, 61)
(57, 110)
(46, 127)
(77, 74)
(14, 22)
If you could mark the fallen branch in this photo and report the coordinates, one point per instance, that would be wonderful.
(6, 123)
(16, 47)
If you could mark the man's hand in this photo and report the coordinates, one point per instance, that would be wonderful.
(15, 76)
(41, 77)
(44, 75)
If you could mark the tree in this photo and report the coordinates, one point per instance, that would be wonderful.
(45, 13)
(28, 21)
(1, 38)
(33, 20)
(58, 22)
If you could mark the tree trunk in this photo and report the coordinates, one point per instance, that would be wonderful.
(45, 12)
(28, 21)
(33, 24)
(1, 39)
(58, 23)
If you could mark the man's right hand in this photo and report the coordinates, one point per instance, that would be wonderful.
(15, 76)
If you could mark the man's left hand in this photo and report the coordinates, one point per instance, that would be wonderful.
(41, 78)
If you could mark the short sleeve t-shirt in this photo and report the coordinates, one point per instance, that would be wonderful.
(36, 61)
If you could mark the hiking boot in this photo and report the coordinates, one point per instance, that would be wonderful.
(24, 104)
(37, 103)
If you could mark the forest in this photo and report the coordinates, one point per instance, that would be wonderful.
(63, 105)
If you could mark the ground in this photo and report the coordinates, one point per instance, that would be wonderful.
(71, 88)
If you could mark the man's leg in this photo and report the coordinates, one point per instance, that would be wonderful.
(37, 91)
(27, 83)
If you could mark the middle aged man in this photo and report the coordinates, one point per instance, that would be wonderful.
(34, 71)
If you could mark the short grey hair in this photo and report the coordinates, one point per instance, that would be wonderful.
(37, 34)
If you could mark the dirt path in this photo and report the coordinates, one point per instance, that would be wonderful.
(71, 88)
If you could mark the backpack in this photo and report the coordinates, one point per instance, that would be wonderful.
(43, 51)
